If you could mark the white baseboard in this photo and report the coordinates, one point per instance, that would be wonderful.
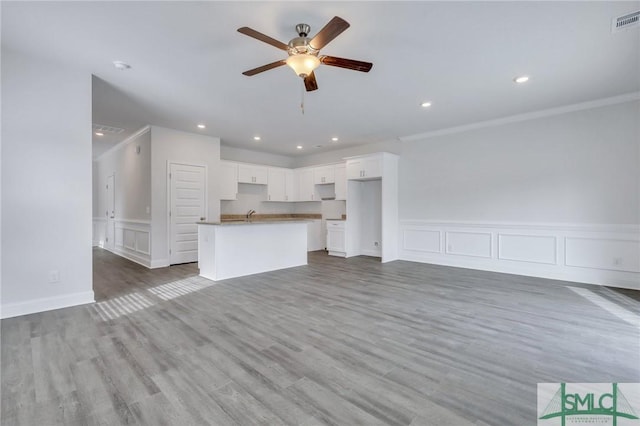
(593, 254)
(160, 263)
(11, 310)
(140, 260)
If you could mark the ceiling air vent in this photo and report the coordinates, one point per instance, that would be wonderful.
(106, 129)
(630, 20)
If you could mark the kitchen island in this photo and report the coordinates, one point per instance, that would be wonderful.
(239, 248)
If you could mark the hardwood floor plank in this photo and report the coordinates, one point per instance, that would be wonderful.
(336, 342)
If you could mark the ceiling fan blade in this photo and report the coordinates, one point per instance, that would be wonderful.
(265, 68)
(346, 63)
(262, 37)
(330, 31)
(310, 82)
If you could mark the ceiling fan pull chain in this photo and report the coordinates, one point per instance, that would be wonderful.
(302, 89)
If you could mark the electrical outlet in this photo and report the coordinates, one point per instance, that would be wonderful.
(54, 277)
(375, 243)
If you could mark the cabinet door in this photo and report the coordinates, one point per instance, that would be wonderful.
(228, 180)
(322, 175)
(289, 187)
(245, 173)
(306, 187)
(249, 173)
(335, 237)
(261, 175)
(372, 167)
(354, 169)
(340, 177)
(276, 185)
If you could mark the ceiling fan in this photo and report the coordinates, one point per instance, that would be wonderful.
(304, 52)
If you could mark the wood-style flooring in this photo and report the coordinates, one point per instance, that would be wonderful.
(337, 342)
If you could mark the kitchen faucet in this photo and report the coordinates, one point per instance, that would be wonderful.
(249, 213)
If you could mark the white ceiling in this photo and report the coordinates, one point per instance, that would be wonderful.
(187, 59)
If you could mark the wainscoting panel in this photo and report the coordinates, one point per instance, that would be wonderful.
(617, 255)
(133, 241)
(476, 244)
(596, 254)
(527, 248)
(422, 240)
(99, 224)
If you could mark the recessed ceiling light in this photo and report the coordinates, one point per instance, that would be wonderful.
(201, 126)
(521, 79)
(334, 139)
(256, 138)
(99, 134)
(121, 65)
(425, 104)
(299, 147)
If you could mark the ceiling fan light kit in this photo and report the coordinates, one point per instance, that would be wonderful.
(303, 64)
(303, 52)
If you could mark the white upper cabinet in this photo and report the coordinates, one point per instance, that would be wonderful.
(306, 188)
(340, 177)
(228, 180)
(280, 185)
(251, 173)
(362, 168)
(322, 175)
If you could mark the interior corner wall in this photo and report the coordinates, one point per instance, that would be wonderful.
(130, 165)
(175, 146)
(557, 196)
(46, 185)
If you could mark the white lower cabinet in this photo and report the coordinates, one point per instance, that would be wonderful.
(336, 245)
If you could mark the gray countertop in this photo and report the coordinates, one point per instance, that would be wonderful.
(255, 222)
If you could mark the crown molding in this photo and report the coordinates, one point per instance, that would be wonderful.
(628, 97)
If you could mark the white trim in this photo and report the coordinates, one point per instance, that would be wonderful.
(595, 227)
(628, 97)
(591, 264)
(159, 263)
(11, 310)
(124, 142)
(130, 255)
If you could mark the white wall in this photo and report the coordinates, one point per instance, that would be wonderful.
(579, 167)
(130, 164)
(556, 197)
(132, 171)
(255, 157)
(46, 185)
(169, 145)
(394, 147)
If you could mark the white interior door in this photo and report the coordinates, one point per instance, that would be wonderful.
(187, 187)
(110, 212)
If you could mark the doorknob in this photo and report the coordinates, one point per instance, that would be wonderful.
(202, 219)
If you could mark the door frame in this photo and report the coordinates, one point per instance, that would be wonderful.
(168, 216)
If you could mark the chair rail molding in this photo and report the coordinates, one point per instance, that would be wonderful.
(603, 254)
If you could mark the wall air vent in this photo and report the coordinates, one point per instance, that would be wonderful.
(630, 20)
(106, 129)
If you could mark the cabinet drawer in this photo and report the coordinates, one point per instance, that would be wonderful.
(335, 224)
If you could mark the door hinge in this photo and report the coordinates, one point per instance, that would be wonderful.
(169, 213)
(169, 251)
(169, 175)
